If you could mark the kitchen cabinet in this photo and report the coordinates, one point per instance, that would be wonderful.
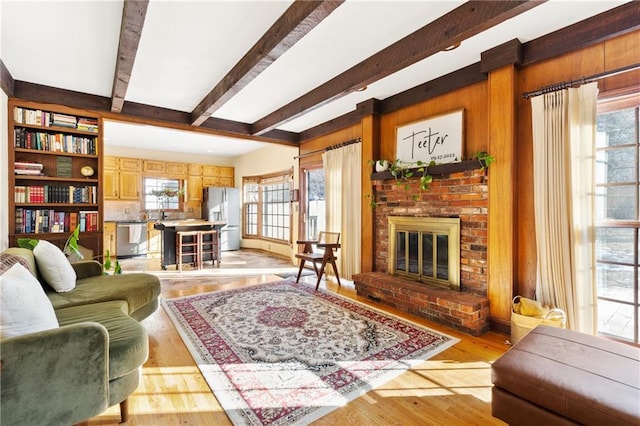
(130, 185)
(195, 170)
(153, 166)
(111, 182)
(194, 188)
(109, 238)
(122, 177)
(175, 169)
(154, 240)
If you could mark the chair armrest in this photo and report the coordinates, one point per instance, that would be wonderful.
(58, 376)
(329, 245)
(87, 268)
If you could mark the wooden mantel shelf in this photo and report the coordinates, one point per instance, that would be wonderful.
(438, 169)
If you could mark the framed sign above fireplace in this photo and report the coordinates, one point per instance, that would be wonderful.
(439, 138)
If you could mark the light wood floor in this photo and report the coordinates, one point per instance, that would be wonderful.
(453, 388)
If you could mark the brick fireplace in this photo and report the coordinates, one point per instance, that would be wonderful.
(458, 191)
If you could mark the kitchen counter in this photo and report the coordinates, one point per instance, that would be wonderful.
(187, 223)
(168, 230)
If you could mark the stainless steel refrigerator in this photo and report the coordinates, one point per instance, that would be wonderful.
(223, 204)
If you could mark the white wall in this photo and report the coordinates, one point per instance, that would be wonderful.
(4, 170)
(4, 166)
(271, 159)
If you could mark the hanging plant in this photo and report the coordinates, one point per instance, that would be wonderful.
(403, 172)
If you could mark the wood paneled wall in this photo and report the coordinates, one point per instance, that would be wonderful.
(476, 118)
(480, 118)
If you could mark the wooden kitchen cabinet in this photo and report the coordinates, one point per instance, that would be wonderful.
(210, 171)
(194, 169)
(109, 239)
(130, 185)
(111, 183)
(153, 241)
(122, 177)
(153, 166)
(227, 176)
(132, 164)
(194, 188)
(177, 169)
(111, 163)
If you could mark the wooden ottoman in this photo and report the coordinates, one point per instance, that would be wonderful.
(561, 377)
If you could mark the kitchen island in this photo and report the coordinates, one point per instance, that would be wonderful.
(168, 230)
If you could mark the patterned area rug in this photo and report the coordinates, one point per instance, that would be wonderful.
(284, 354)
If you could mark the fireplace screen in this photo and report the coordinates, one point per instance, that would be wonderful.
(426, 249)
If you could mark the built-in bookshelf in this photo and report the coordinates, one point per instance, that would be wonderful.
(55, 174)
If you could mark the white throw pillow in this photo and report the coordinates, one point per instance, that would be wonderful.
(24, 307)
(54, 267)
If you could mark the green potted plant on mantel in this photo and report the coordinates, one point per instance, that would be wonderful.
(402, 172)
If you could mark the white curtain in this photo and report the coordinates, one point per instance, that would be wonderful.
(343, 189)
(564, 129)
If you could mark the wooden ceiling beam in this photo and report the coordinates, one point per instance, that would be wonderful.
(469, 19)
(301, 17)
(133, 16)
(6, 80)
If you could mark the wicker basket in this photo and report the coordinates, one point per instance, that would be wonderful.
(521, 325)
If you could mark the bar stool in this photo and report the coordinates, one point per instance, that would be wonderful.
(209, 247)
(187, 246)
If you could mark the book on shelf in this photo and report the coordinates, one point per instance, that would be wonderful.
(55, 194)
(36, 221)
(54, 142)
(64, 167)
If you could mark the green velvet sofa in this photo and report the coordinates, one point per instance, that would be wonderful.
(92, 361)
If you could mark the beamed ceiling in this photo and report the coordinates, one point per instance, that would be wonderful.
(274, 71)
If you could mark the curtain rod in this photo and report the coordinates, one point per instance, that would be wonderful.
(329, 148)
(583, 80)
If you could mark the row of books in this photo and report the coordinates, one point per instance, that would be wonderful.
(54, 142)
(38, 117)
(28, 168)
(36, 194)
(36, 221)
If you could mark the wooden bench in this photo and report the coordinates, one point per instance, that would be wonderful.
(555, 376)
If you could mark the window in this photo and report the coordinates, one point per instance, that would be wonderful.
(617, 220)
(314, 202)
(162, 194)
(266, 207)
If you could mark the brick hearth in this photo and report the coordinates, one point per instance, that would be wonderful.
(458, 190)
(463, 311)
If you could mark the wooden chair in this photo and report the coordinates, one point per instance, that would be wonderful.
(327, 243)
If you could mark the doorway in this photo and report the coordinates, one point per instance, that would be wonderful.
(313, 214)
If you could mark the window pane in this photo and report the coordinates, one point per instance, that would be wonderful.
(615, 244)
(615, 319)
(615, 282)
(617, 128)
(616, 202)
(161, 194)
(272, 195)
(616, 165)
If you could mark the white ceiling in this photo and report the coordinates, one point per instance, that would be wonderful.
(186, 47)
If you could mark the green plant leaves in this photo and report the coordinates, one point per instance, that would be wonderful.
(27, 243)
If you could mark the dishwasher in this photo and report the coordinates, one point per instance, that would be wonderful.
(131, 239)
